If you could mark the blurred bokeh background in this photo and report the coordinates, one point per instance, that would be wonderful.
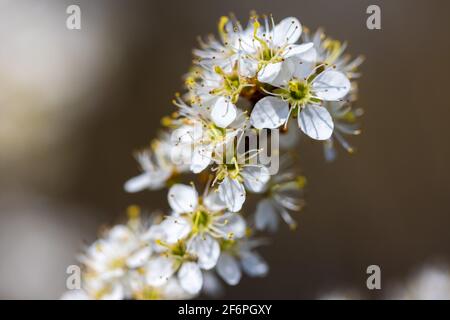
(75, 104)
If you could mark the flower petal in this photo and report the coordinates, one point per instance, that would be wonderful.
(213, 202)
(159, 270)
(287, 31)
(316, 122)
(201, 158)
(269, 72)
(255, 178)
(206, 249)
(233, 225)
(182, 198)
(223, 112)
(331, 85)
(190, 277)
(254, 265)
(295, 50)
(228, 269)
(269, 113)
(139, 257)
(138, 183)
(232, 192)
(265, 217)
(172, 229)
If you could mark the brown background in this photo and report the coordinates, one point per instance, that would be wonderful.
(387, 205)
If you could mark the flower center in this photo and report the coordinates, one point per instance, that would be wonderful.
(232, 84)
(231, 170)
(299, 91)
(201, 220)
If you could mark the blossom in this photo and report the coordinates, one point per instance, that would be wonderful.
(235, 174)
(190, 237)
(157, 165)
(272, 71)
(302, 94)
(238, 256)
(200, 136)
(109, 259)
(225, 52)
(218, 92)
(272, 45)
(283, 194)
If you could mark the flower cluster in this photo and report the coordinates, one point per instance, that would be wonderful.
(267, 77)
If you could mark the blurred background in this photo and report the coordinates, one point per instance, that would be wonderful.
(75, 104)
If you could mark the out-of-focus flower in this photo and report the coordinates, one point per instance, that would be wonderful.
(284, 193)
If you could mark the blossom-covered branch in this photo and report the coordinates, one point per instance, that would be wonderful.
(252, 91)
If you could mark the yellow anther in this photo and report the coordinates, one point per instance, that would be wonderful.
(301, 181)
(133, 211)
(222, 23)
(166, 121)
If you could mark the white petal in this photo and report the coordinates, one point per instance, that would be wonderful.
(139, 257)
(223, 112)
(295, 50)
(206, 249)
(173, 229)
(235, 225)
(138, 183)
(266, 218)
(248, 67)
(269, 72)
(229, 269)
(254, 265)
(183, 198)
(255, 177)
(190, 277)
(287, 31)
(120, 233)
(316, 122)
(232, 192)
(331, 86)
(269, 113)
(303, 64)
(201, 158)
(213, 202)
(159, 271)
(185, 134)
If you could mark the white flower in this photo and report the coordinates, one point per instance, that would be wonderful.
(302, 93)
(190, 237)
(218, 92)
(273, 45)
(204, 219)
(226, 52)
(199, 134)
(235, 175)
(156, 164)
(109, 260)
(110, 257)
(237, 256)
(284, 194)
(176, 260)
